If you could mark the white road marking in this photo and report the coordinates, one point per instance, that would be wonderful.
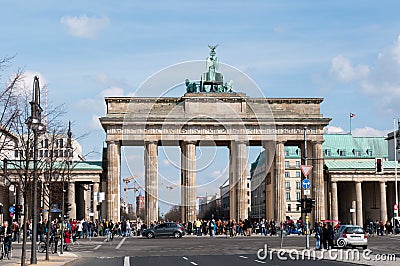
(184, 258)
(120, 243)
(194, 263)
(97, 247)
(259, 261)
(243, 257)
(126, 261)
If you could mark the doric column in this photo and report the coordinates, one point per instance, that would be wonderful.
(359, 203)
(188, 188)
(353, 214)
(71, 200)
(270, 197)
(151, 181)
(95, 202)
(334, 202)
(241, 177)
(383, 201)
(318, 184)
(113, 180)
(280, 200)
(232, 182)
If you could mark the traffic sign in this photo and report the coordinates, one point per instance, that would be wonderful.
(307, 192)
(11, 209)
(395, 207)
(306, 169)
(11, 214)
(306, 184)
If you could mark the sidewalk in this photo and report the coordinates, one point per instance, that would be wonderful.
(54, 259)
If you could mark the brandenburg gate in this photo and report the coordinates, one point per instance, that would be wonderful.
(212, 112)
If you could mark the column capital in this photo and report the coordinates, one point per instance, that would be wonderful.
(113, 142)
(314, 142)
(185, 142)
(151, 142)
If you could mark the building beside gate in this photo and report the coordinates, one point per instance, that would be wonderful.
(80, 182)
(355, 190)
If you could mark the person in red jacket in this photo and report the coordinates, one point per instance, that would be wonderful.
(67, 239)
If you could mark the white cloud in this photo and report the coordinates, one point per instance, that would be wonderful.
(84, 26)
(343, 70)
(333, 130)
(25, 87)
(95, 123)
(113, 91)
(215, 173)
(357, 132)
(369, 132)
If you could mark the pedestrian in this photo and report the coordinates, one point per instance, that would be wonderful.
(318, 235)
(331, 236)
(325, 236)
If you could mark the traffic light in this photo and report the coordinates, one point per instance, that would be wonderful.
(300, 204)
(68, 207)
(18, 210)
(378, 165)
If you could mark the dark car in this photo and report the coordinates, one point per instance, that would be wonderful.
(165, 229)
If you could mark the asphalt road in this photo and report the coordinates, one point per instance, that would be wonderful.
(208, 251)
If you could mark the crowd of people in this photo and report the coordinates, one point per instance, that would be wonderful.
(76, 229)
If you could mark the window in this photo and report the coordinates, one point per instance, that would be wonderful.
(287, 164)
(61, 143)
(298, 208)
(297, 185)
(298, 195)
(287, 174)
(327, 152)
(298, 174)
(289, 207)
(287, 185)
(56, 153)
(297, 164)
(46, 143)
(46, 153)
(287, 195)
(16, 153)
(342, 153)
(40, 153)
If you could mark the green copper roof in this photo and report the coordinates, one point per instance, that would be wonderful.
(358, 165)
(347, 146)
(343, 146)
(81, 166)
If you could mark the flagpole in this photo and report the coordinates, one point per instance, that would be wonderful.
(350, 122)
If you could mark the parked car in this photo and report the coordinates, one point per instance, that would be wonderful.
(351, 236)
(165, 229)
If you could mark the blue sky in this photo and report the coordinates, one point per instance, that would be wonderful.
(347, 52)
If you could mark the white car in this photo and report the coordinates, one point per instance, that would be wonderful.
(351, 236)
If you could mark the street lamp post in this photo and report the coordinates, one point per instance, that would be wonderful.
(34, 122)
(69, 147)
(396, 212)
